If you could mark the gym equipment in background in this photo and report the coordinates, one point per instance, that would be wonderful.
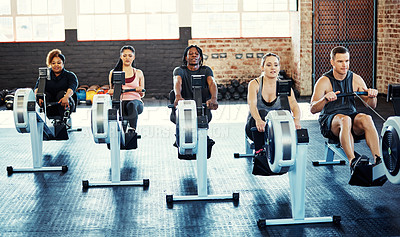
(81, 94)
(108, 127)
(90, 92)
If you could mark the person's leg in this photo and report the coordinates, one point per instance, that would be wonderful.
(257, 137)
(65, 112)
(341, 127)
(172, 117)
(133, 109)
(363, 124)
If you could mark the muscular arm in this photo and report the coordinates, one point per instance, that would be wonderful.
(322, 95)
(359, 85)
(212, 103)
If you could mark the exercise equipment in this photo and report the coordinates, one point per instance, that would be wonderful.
(81, 94)
(3, 94)
(107, 127)
(283, 90)
(394, 96)
(9, 100)
(29, 119)
(286, 152)
(368, 174)
(191, 135)
(90, 92)
(333, 147)
(249, 149)
(376, 174)
(103, 89)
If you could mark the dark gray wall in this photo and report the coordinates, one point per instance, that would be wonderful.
(91, 61)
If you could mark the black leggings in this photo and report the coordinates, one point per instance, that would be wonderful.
(57, 111)
(257, 137)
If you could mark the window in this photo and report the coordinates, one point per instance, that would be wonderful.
(32, 20)
(247, 18)
(127, 19)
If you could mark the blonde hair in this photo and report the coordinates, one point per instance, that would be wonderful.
(52, 54)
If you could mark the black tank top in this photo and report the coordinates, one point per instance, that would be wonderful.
(343, 105)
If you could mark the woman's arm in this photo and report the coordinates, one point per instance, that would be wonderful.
(111, 90)
(252, 102)
(140, 75)
(294, 107)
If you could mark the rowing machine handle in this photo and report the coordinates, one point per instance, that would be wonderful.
(132, 90)
(352, 93)
(170, 106)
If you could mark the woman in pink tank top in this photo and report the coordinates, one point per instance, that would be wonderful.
(132, 104)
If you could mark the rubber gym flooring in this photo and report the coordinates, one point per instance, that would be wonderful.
(54, 203)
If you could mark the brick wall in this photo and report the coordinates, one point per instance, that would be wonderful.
(246, 68)
(306, 21)
(92, 61)
(388, 52)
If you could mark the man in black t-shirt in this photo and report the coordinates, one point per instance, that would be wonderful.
(193, 65)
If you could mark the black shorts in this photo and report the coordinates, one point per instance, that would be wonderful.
(325, 123)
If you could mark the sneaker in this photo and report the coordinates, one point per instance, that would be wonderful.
(210, 144)
(361, 160)
(378, 160)
(130, 130)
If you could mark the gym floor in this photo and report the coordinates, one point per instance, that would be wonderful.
(54, 203)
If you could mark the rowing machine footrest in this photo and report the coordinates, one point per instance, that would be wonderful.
(362, 176)
(130, 140)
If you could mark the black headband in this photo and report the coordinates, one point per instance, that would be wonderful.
(62, 57)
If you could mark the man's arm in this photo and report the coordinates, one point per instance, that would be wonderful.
(212, 86)
(371, 98)
(177, 89)
(320, 96)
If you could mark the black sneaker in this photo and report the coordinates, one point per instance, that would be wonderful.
(210, 144)
(378, 160)
(361, 160)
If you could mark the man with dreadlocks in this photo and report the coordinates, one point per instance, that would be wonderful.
(193, 65)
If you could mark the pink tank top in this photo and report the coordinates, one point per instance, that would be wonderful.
(131, 83)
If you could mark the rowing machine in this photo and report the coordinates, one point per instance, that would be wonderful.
(192, 129)
(107, 128)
